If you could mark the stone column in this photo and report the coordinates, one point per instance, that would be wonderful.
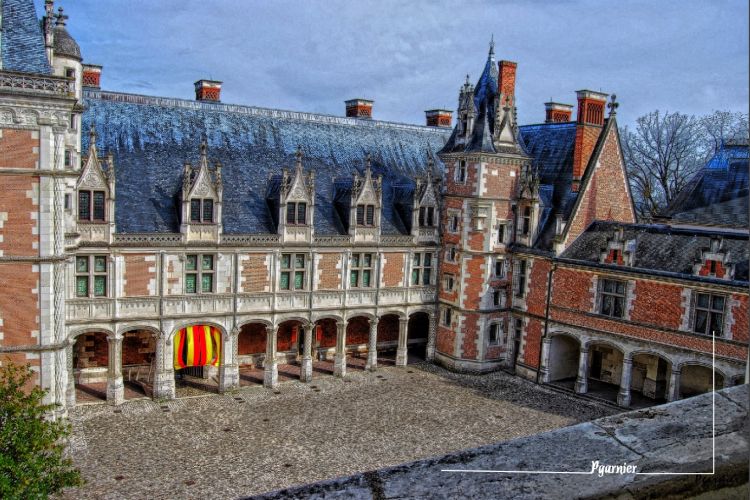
(270, 367)
(164, 370)
(306, 370)
(372, 346)
(70, 390)
(582, 381)
(339, 361)
(431, 336)
(623, 397)
(673, 391)
(402, 352)
(544, 369)
(115, 386)
(229, 371)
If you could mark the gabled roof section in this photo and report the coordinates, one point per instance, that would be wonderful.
(152, 137)
(21, 39)
(718, 194)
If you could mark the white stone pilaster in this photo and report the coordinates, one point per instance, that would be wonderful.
(673, 391)
(270, 366)
(339, 361)
(402, 352)
(623, 396)
(372, 346)
(115, 385)
(582, 381)
(306, 371)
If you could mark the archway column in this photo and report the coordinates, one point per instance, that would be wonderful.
(544, 369)
(306, 371)
(431, 337)
(70, 391)
(115, 385)
(372, 346)
(623, 396)
(402, 352)
(164, 387)
(229, 371)
(673, 391)
(270, 366)
(582, 382)
(339, 361)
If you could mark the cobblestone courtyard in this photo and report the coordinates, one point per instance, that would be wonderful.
(255, 440)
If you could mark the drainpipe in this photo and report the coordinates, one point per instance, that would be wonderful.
(546, 320)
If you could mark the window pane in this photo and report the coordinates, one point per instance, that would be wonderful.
(370, 215)
(366, 278)
(621, 288)
(190, 280)
(717, 302)
(100, 286)
(286, 260)
(100, 264)
(191, 262)
(355, 260)
(430, 216)
(417, 259)
(618, 307)
(421, 216)
(493, 333)
(82, 264)
(299, 280)
(701, 321)
(301, 213)
(299, 261)
(415, 276)
(207, 283)
(607, 305)
(290, 213)
(82, 286)
(426, 275)
(207, 262)
(284, 281)
(716, 324)
(84, 205)
(98, 205)
(360, 215)
(368, 260)
(195, 210)
(702, 300)
(354, 278)
(428, 260)
(208, 210)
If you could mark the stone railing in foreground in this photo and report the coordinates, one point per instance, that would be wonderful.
(676, 437)
(10, 80)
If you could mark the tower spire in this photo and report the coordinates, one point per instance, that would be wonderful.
(492, 47)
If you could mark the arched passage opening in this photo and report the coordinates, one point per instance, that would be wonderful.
(138, 363)
(387, 339)
(650, 378)
(197, 356)
(605, 364)
(417, 330)
(324, 345)
(289, 345)
(697, 379)
(564, 356)
(91, 367)
(251, 353)
(357, 338)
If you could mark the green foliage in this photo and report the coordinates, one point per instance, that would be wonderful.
(32, 462)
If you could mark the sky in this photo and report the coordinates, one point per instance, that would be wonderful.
(408, 56)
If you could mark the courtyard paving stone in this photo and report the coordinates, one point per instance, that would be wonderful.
(254, 440)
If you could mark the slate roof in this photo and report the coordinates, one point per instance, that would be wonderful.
(65, 45)
(21, 39)
(152, 137)
(718, 194)
(661, 248)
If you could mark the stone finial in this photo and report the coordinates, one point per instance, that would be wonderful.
(492, 46)
(60, 17)
(613, 105)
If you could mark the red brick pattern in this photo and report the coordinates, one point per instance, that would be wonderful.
(329, 277)
(326, 332)
(357, 330)
(286, 335)
(19, 148)
(393, 269)
(388, 328)
(91, 350)
(252, 339)
(506, 78)
(256, 274)
(138, 348)
(718, 269)
(139, 273)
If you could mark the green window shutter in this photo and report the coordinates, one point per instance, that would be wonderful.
(100, 286)
(82, 264)
(208, 263)
(415, 277)
(426, 277)
(299, 280)
(354, 278)
(366, 278)
(284, 281)
(82, 286)
(207, 283)
(100, 264)
(286, 261)
(190, 280)
(191, 263)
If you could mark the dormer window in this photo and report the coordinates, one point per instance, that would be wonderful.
(461, 172)
(426, 216)
(526, 221)
(365, 215)
(91, 206)
(296, 213)
(202, 210)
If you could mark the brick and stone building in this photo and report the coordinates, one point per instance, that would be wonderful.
(143, 239)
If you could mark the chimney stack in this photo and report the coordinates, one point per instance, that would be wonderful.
(506, 82)
(92, 75)
(589, 125)
(208, 90)
(557, 112)
(359, 108)
(438, 117)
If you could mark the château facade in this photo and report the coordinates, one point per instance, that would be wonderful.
(148, 239)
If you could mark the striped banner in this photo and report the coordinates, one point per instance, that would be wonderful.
(197, 345)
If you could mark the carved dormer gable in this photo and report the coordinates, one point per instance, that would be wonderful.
(505, 126)
(426, 210)
(297, 202)
(528, 185)
(619, 251)
(366, 201)
(466, 112)
(202, 192)
(714, 261)
(95, 195)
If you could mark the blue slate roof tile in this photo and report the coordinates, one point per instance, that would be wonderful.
(21, 39)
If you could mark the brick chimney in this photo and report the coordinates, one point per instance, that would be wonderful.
(438, 117)
(556, 112)
(588, 127)
(359, 108)
(92, 75)
(506, 82)
(208, 90)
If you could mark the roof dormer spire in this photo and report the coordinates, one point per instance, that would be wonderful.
(492, 47)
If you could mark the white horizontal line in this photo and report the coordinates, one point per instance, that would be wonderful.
(515, 471)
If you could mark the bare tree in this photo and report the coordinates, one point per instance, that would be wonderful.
(662, 153)
(721, 127)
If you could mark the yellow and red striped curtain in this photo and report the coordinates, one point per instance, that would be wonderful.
(198, 345)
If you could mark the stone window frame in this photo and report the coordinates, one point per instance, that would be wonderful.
(520, 276)
(202, 204)
(292, 270)
(91, 208)
(449, 282)
(427, 216)
(525, 215)
(623, 296)
(499, 332)
(497, 297)
(503, 268)
(298, 211)
(462, 172)
(200, 273)
(419, 267)
(454, 215)
(501, 232)
(361, 268)
(694, 308)
(448, 250)
(446, 317)
(365, 214)
(91, 275)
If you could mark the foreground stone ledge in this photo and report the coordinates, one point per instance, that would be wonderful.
(676, 437)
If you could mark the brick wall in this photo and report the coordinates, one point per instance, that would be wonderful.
(325, 332)
(393, 269)
(657, 303)
(91, 350)
(19, 148)
(357, 330)
(388, 328)
(140, 275)
(286, 336)
(255, 274)
(329, 271)
(138, 348)
(252, 339)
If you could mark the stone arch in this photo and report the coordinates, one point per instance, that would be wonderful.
(184, 324)
(73, 336)
(201, 378)
(650, 374)
(395, 312)
(326, 330)
(358, 329)
(90, 363)
(364, 314)
(387, 337)
(288, 334)
(417, 332)
(605, 361)
(563, 357)
(138, 326)
(265, 322)
(695, 378)
(252, 342)
(138, 360)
